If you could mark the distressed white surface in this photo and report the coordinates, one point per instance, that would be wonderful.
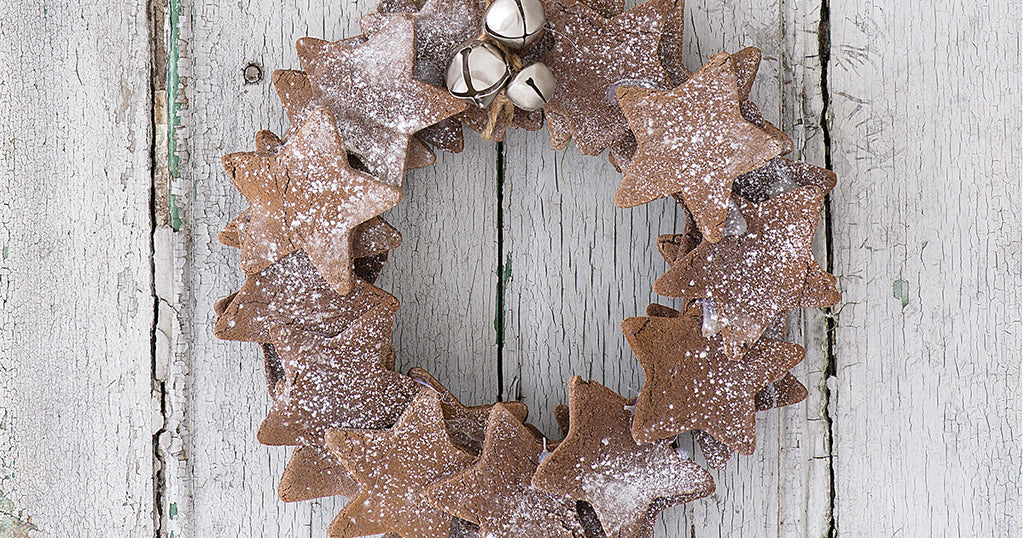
(76, 307)
(222, 482)
(926, 140)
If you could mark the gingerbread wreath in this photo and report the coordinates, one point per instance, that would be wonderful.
(413, 460)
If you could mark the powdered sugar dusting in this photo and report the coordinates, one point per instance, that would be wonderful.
(693, 141)
(589, 55)
(691, 384)
(756, 276)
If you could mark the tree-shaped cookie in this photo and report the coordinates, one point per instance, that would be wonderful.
(599, 462)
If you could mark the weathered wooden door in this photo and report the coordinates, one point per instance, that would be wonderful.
(121, 415)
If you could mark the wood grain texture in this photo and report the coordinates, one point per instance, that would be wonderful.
(76, 305)
(926, 135)
(220, 481)
(580, 266)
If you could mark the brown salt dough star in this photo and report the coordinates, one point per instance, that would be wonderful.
(757, 275)
(296, 94)
(786, 391)
(393, 467)
(691, 385)
(496, 493)
(339, 382)
(306, 196)
(370, 242)
(441, 27)
(670, 48)
(292, 292)
(599, 462)
(592, 54)
(694, 141)
(314, 472)
(466, 425)
(372, 93)
(782, 175)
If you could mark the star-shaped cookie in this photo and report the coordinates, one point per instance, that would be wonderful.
(496, 493)
(372, 93)
(694, 141)
(292, 292)
(296, 94)
(441, 26)
(370, 240)
(592, 54)
(393, 467)
(757, 275)
(599, 462)
(690, 384)
(786, 391)
(339, 382)
(307, 196)
(467, 426)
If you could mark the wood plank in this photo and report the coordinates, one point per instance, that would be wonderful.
(221, 482)
(76, 299)
(926, 135)
(580, 266)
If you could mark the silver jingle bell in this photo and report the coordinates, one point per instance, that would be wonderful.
(532, 87)
(477, 73)
(515, 23)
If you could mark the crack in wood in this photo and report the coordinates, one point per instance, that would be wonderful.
(824, 51)
(504, 268)
(160, 209)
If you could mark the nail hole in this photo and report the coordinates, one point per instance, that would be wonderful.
(252, 74)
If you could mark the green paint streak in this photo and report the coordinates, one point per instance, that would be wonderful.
(560, 167)
(901, 291)
(173, 107)
(175, 212)
(499, 317)
(173, 510)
